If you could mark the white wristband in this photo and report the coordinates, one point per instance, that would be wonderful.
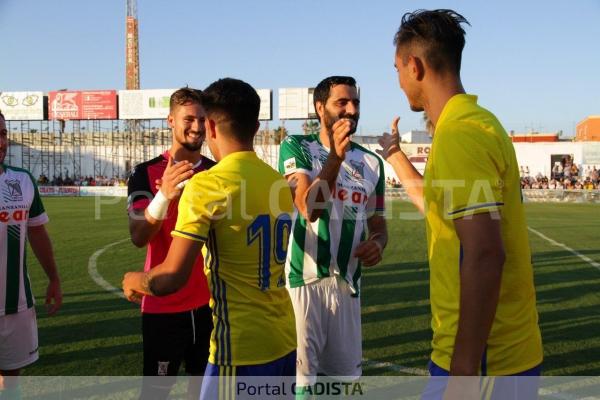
(182, 184)
(159, 206)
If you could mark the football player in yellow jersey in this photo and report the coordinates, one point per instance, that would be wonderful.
(484, 315)
(240, 212)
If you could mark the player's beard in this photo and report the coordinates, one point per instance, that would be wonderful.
(329, 119)
(192, 146)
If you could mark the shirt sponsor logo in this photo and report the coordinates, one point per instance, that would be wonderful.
(289, 164)
(15, 215)
(344, 195)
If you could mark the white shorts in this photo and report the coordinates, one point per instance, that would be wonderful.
(18, 340)
(328, 330)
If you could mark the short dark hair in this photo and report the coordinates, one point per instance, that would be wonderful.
(439, 33)
(235, 104)
(323, 89)
(184, 96)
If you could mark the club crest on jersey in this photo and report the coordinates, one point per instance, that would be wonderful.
(13, 190)
(358, 169)
(163, 368)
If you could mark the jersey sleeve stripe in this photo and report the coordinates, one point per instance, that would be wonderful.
(222, 332)
(475, 207)
(188, 235)
(297, 170)
(41, 219)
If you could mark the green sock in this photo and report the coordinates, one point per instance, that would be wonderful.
(303, 393)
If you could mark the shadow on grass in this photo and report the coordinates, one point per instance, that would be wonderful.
(94, 355)
(394, 340)
(584, 362)
(70, 308)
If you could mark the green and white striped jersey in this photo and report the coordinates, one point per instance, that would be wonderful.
(325, 247)
(20, 208)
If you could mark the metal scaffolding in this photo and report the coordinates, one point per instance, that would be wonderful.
(77, 148)
(48, 157)
(76, 144)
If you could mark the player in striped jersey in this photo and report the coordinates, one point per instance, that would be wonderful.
(22, 218)
(338, 189)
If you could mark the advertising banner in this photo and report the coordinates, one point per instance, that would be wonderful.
(296, 103)
(266, 104)
(90, 104)
(83, 191)
(591, 154)
(144, 104)
(64, 191)
(416, 153)
(22, 106)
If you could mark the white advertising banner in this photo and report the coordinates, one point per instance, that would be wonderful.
(266, 104)
(22, 106)
(296, 103)
(144, 104)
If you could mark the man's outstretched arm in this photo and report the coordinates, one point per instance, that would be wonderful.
(411, 179)
(167, 277)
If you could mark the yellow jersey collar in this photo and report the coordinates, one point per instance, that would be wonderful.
(455, 101)
(239, 155)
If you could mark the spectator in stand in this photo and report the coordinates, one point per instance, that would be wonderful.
(556, 170)
(574, 170)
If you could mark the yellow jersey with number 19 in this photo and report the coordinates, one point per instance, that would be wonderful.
(472, 168)
(241, 208)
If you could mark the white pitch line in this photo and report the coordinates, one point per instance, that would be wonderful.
(93, 270)
(395, 367)
(564, 246)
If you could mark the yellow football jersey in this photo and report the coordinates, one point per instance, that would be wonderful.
(241, 208)
(472, 169)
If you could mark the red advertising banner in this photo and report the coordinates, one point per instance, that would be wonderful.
(91, 104)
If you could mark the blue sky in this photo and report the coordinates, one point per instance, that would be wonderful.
(534, 63)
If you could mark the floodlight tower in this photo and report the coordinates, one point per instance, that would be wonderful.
(132, 79)
(132, 54)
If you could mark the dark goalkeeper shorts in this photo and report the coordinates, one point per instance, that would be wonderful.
(173, 338)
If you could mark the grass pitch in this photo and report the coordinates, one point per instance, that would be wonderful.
(98, 333)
